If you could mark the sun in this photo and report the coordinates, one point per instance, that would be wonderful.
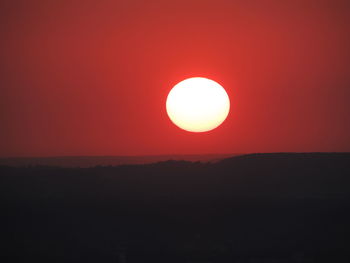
(197, 104)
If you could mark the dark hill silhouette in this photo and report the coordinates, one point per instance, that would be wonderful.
(91, 161)
(281, 207)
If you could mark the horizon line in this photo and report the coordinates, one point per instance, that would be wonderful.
(160, 155)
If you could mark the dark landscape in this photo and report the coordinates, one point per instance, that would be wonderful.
(280, 207)
(92, 161)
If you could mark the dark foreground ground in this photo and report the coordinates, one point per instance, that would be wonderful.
(253, 208)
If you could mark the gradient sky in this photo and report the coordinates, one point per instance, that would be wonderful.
(91, 77)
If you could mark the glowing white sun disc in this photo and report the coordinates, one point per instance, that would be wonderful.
(197, 104)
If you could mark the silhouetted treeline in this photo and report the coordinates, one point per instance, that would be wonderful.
(251, 208)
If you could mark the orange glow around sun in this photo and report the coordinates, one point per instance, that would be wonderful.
(197, 104)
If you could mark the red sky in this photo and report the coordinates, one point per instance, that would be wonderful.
(91, 77)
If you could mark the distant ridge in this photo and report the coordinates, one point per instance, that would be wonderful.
(284, 155)
(222, 159)
(91, 161)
